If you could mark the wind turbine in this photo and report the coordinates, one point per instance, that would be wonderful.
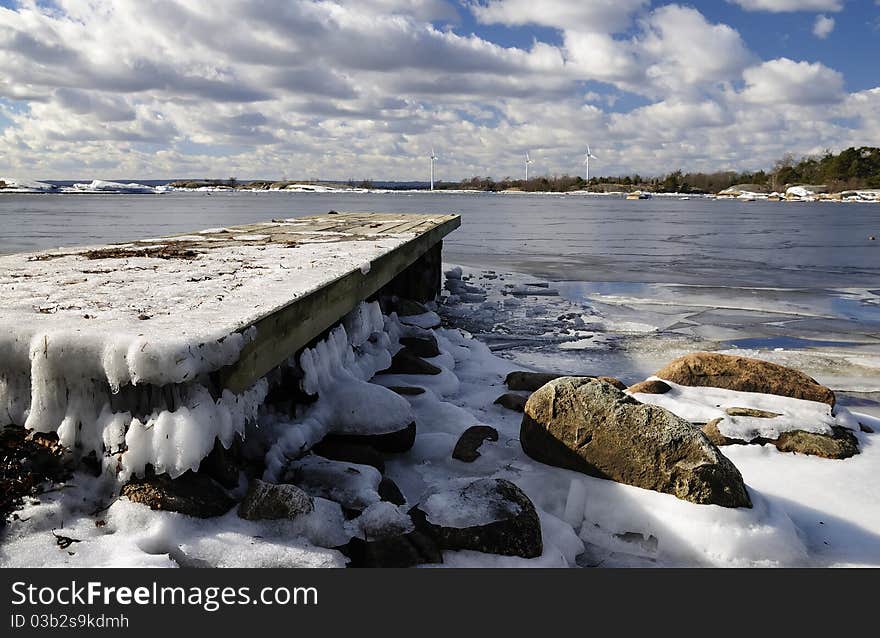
(587, 157)
(529, 160)
(433, 159)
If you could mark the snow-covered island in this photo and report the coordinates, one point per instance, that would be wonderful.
(393, 439)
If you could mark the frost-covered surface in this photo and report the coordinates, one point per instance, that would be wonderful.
(461, 505)
(701, 405)
(79, 326)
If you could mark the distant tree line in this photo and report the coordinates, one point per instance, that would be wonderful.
(850, 169)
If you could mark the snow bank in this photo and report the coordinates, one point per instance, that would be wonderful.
(27, 186)
(670, 531)
(701, 405)
(102, 186)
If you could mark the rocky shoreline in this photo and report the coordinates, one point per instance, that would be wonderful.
(594, 426)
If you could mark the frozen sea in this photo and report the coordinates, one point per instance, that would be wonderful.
(584, 284)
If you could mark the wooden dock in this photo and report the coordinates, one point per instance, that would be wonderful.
(290, 279)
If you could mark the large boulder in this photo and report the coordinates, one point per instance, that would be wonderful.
(492, 516)
(709, 369)
(594, 428)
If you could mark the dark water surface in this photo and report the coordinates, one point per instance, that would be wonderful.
(577, 238)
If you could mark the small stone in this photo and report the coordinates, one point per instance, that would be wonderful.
(511, 401)
(192, 494)
(505, 523)
(613, 381)
(406, 362)
(751, 412)
(388, 491)
(406, 550)
(841, 445)
(471, 439)
(653, 386)
(425, 346)
(521, 380)
(338, 449)
(395, 442)
(267, 501)
(407, 390)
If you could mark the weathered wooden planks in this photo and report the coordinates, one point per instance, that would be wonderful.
(286, 331)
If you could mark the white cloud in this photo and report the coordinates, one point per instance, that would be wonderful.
(785, 81)
(315, 88)
(784, 6)
(682, 50)
(608, 16)
(823, 26)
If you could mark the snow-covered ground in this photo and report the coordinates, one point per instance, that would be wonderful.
(807, 511)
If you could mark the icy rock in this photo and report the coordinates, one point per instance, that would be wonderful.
(750, 416)
(709, 369)
(406, 550)
(466, 449)
(492, 516)
(402, 306)
(840, 444)
(427, 320)
(384, 519)
(388, 491)
(594, 428)
(272, 502)
(512, 401)
(453, 273)
(342, 449)
(352, 485)
(192, 494)
(407, 390)
(422, 346)
(407, 362)
(529, 381)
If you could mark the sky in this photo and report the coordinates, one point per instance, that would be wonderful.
(336, 89)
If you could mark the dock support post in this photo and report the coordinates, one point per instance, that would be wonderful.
(422, 280)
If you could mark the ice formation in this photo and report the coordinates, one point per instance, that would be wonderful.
(337, 370)
(113, 347)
